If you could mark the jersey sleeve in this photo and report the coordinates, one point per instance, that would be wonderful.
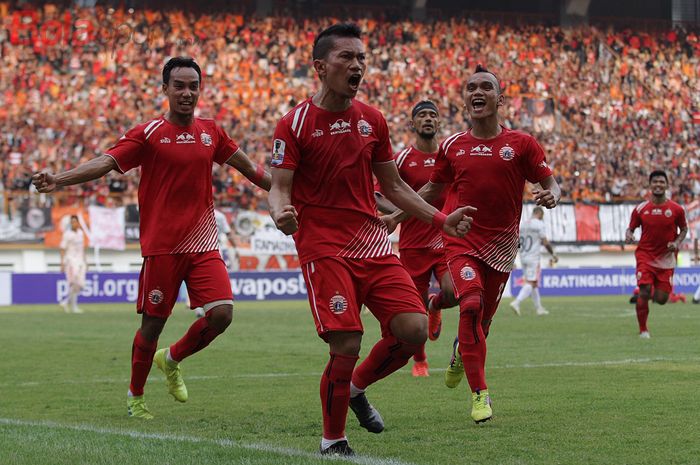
(128, 151)
(225, 146)
(681, 220)
(635, 220)
(382, 151)
(285, 147)
(64, 241)
(442, 173)
(535, 164)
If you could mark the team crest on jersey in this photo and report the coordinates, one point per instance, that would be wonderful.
(277, 152)
(206, 139)
(668, 213)
(467, 273)
(338, 304)
(507, 152)
(340, 127)
(317, 133)
(429, 162)
(155, 296)
(185, 138)
(364, 128)
(165, 140)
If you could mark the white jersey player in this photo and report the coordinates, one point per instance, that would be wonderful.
(73, 263)
(227, 243)
(532, 238)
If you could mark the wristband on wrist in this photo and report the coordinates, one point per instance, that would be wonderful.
(439, 219)
(259, 175)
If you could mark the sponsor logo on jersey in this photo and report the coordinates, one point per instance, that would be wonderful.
(155, 296)
(460, 152)
(340, 127)
(467, 273)
(206, 139)
(429, 162)
(656, 211)
(185, 138)
(317, 133)
(364, 128)
(338, 304)
(412, 164)
(507, 152)
(481, 151)
(544, 164)
(668, 213)
(165, 140)
(277, 152)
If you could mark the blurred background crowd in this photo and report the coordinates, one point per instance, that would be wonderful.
(608, 105)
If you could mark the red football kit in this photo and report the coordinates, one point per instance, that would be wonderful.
(177, 227)
(331, 154)
(420, 243)
(660, 225)
(488, 174)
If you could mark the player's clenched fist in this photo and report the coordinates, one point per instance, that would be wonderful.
(545, 198)
(286, 220)
(44, 182)
(459, 222)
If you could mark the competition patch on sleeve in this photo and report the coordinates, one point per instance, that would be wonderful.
(277, 152)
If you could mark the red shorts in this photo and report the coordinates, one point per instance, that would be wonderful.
(470, 275)
(659, 278)
(338, 287)
(204, 273)
(421, 264)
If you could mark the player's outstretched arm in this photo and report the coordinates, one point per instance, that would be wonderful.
(282, 211)
(383, 204)
(401, 195)
(96, 168)
(550, 193)
(255, 173)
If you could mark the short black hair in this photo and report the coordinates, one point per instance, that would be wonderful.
(74, 217)
(656, 173)
(482, 69)
(323, 43)
(538, 209)
(180, 62)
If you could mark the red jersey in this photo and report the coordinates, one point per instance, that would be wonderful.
(489, 174)
(660, 225)
(415, 167)
(331, 154)
(175, 190)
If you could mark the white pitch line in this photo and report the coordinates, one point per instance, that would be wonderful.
(226, 443)
(625, 361)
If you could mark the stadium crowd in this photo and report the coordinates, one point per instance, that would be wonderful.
(608, 105)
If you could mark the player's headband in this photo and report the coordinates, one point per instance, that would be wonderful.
(424, 105)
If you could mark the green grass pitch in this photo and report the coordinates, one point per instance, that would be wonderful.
(575, 387)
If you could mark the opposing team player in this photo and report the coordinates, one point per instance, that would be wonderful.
(73, 263)
(324, 154)
(664, 227)
(420, 244)
(532, 237)
(179, 239)
(485, 167)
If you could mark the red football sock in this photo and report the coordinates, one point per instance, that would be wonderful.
(387, 356)
(335, 394)
(142, 352)
(420, 355)
(472, 341)
(642, 313)
(195, 339)
(438, 302)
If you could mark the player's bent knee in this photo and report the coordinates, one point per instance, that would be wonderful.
(221, 316)
(410, 327)
(344, 342)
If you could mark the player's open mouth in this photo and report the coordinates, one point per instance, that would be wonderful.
(354, 81)
(478, 103)
(186, 104)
